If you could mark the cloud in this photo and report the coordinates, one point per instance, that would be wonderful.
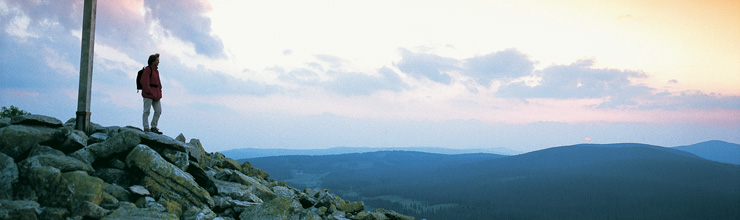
(581, 80)
(507, 64)
(429, 66)
(330, 73)
(690, 100)
(68, 15)
(350, 83)
(187, 20)
(206, 82)
(301, 76)
(32, 66)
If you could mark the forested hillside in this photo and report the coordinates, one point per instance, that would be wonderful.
(623, 181)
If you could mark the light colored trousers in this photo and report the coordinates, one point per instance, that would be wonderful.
(148, 104)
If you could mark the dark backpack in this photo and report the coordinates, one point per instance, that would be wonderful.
(138, 78)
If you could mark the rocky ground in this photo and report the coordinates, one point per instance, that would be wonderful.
(48, 170)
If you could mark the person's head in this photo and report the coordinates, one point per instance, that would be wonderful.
(153, 59)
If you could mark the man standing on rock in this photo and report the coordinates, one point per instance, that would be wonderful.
(151, 90)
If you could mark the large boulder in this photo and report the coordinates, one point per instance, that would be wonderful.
(41, 120)
(248, 169)
(17, 140)
(236, 191)
(19, 209)
(83, 188)
(63, 163)
(129, 211)
(46, 184)
(249, 184)
(75, 140)
(42, 149)
(279, 208)
(198, 151)
(165, 180)
(121, 142)
(154, 140)
(8, 176)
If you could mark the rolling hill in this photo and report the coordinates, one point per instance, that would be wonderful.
(621, 181)
(719, 151)
(248, 153)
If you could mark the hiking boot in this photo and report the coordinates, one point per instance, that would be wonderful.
(156, 131)
(147, 130)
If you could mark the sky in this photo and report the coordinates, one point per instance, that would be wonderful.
(523, 75)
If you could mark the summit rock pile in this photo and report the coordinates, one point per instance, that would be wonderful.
(48, 170)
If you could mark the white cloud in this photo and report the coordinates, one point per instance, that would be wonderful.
(57, 62)
(111, 58)
(19, 27)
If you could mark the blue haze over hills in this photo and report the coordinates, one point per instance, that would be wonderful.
(586, 181)
(248, 153)
(715, 150)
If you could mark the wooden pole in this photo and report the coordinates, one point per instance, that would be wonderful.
(86, 67)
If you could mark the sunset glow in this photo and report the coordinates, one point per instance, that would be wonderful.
(328, 73)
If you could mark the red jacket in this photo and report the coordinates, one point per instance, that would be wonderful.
(150, 85)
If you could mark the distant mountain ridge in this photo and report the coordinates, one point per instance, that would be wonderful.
(715, 150)
(248, 153)
(587, 181)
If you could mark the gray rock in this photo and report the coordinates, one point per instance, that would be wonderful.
(36, 120)
(89, 209)
(97, 138)
(121, 142)
(139, 190)
(180, 138)
(75, 140)
(38, 149)
(178, 158)
(224, 174)
(8, 176)
(129, 211)
(365, 215)
(17, 140)
(117, 191)
(165, 180)
(84, 189)
(234, 190)
(351, 207)
(19, 209)
(198, 152)
(63, 163)
(152, 204)
(202, 178)
(283, 191)
(195, 213)
(47, 184)
(252, 184)
(161, 141)
(280, 208)
(227, 202)
(392, 214)
(339, 215)
(109, 202)
(54, 213)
